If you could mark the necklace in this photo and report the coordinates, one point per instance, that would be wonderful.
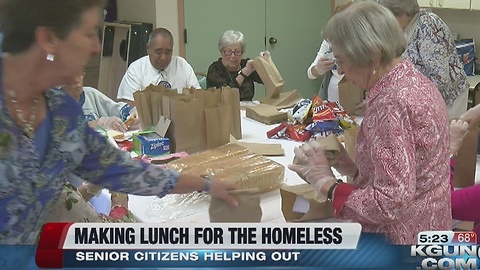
(27, 125)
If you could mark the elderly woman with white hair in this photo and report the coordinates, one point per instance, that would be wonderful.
(431, 49)
(231, 69)
(401, 173)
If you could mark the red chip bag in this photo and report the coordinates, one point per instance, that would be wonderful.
(321, 112)
(298, 133)
(125, 145)
(278, 132)
(337, 109)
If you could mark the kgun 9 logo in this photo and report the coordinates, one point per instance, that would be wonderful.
(446, 257)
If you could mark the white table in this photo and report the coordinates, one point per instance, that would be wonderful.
(153, 209)
(147, 208)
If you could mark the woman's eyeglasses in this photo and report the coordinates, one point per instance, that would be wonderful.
(230, 53)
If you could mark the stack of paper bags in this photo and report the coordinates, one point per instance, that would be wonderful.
(236, 164)
(285, 100)
(201, 119)
(266, 114)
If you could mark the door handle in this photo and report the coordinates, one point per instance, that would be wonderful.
(272, 41)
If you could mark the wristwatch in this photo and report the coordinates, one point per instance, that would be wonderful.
(208, 183)
(240, 72)
(332, 189)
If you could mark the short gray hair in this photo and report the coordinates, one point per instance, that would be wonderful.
(231, 37)
(163, 32)
(365, 30)
(401, 7)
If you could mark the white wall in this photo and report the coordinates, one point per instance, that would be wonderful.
(166, 12)
(161, 13)
(136, 10)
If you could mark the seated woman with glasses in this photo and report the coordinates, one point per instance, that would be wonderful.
(230, 69)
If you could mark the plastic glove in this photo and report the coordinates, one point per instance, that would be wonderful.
(323, 65)
(136, 122)
(314, 167)
(249, 68)
(458, 131)
(112, 122)
(221, 189)
(345, 165)
(266, 54)
(472, 116)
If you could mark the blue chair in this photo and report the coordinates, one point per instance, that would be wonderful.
(202, 79)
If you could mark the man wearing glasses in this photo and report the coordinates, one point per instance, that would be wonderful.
(230, 69)
(159, 67)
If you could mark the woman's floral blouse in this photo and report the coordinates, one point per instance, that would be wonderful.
(30, 185)
(432, 51)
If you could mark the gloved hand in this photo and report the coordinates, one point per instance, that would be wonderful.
(136, 122)
(112, 122)
(323, 65)
(345, 165)
(472, 116)
(313, 166)
(458, 131)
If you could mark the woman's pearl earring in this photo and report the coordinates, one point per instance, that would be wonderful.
(374, 72)
(50, 57)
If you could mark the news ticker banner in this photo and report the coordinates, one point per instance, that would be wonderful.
(87, 244)
(227, 246)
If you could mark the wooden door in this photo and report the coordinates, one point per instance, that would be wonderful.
(296, 24)
(207, 20)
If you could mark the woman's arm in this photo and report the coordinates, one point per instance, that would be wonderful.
(312, 71)
(107, 166)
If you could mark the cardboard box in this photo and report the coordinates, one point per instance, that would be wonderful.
(153, 142)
